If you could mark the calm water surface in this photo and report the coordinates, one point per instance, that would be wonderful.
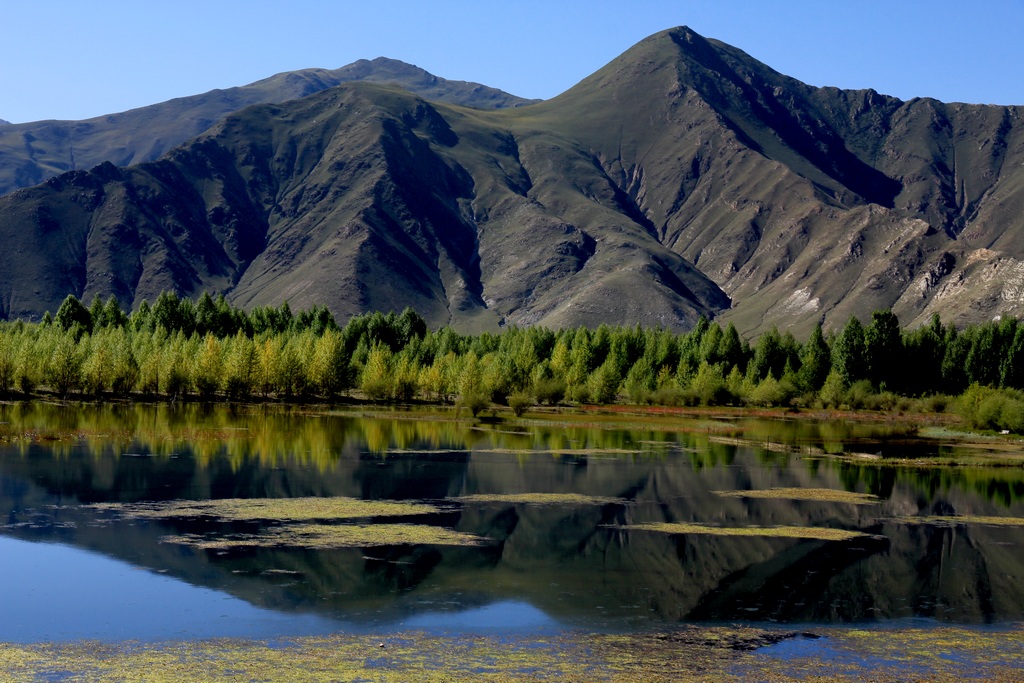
(70, 570)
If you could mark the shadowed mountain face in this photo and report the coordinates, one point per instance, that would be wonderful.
(684, 178)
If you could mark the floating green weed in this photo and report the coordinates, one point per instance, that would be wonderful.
(328, 536)
(565, 451)
(539, 499)
(753, 443)
(815, 533)
(684, 655)
(955, 520)
(270, 509)
(823, 495)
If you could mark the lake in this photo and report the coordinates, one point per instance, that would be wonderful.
(152, 522)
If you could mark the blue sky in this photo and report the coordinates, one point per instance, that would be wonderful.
(69, 59)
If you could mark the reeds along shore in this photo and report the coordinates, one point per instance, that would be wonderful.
(207, 349)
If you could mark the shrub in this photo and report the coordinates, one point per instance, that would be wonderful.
(668, 395)
(885, 400)
(857, 395)
(549, 390)
(474, 402)
(708, 385)
(988, 408)
(936, 403)
(579, 393)
(519, 401)
(833, 391)
(771, 392)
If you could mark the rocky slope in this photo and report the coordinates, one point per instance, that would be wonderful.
(684, 178)
(32, 152)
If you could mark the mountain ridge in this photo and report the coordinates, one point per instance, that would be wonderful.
(683, 179)
(33, 151)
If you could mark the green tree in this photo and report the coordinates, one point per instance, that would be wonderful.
(97, 364)
(815, 361)
(1011, 369)
(954, 361)
(769, 357)
(240, 365)
(328, 370)
(604, 382)
(7, 363)
(206, 316)
(731, 350)
(72, 312)
(124, 369)
(849, 353)
(711, 343)
(376, 378)
(640, 382)
(292, 372)
(405, 382)
(883, 346)
(208, 367)
(923, 351)
(470, 385)
(708, 384)
(833, 391)
(175, 359)
(64, 371)
(112, 315)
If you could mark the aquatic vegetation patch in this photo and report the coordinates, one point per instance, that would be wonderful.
(686, 655)
(801, 532)
(269, 509)
(565, 451)
(772, 446)
(822, 495)
(936, 654)
(331, 536)
(956, 520)
(539, 499)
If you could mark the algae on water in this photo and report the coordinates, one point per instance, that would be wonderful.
(802, 532)
(269, 509)
(539, 499)
(331, 536)
(822, 495)
(954, 520)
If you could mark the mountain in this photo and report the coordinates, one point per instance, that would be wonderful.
(32, 152)
(685, 178)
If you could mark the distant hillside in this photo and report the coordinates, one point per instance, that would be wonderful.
(32, 152)
(684, 178)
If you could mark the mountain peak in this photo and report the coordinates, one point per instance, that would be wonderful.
(684, 178)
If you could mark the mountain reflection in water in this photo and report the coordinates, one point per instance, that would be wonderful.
(574, 562)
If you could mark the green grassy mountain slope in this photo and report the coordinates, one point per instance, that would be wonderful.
(32, 152)
(684, 178)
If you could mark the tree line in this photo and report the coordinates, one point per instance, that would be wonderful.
(209, 349)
